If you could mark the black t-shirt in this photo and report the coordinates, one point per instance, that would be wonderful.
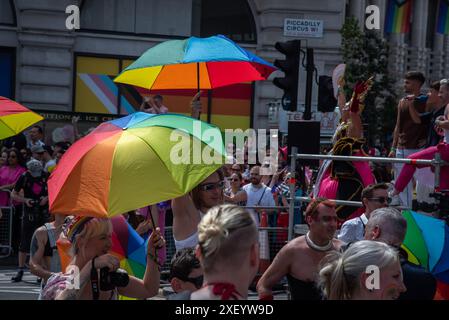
(33, 187)
(420, 284)
(429, 118)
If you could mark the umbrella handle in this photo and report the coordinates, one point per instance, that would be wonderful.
(152, 223)
(198, 83)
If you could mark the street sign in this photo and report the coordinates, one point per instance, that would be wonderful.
(303, 28)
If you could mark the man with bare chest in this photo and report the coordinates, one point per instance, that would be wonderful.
(300, 258)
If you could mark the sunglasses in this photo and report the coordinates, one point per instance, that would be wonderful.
(13, 157)
(235, 180)
(197, 281)
(212, 186)
(381, 199)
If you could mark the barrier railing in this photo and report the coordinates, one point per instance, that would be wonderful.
(437, 162)
(6, 222)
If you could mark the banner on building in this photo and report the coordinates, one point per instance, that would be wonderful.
(443, 17)
(398, 16)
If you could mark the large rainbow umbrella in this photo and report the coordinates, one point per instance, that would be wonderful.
(195, 63)
(14, 118)
(133, 162)
(427, 244)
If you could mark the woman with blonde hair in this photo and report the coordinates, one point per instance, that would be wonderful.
(228, 251)
(90, 240)
(367, 270)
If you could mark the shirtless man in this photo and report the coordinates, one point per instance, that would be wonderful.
(299, 259)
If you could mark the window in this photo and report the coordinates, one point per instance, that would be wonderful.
(233, 19)
(7, 66)
(7, 13)
(147, 17)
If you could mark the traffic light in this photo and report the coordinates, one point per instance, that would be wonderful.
(290, 66)
(326, 99)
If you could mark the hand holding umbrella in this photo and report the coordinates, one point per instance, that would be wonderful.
(195, 104)
(155, 242)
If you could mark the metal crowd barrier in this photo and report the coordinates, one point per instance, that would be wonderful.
(6, 222)
(437, 162)
(274, 239)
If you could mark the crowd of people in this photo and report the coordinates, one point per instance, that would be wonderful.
(219, 245)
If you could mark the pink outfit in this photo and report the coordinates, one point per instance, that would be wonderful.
(427, 154)
(329, 185)
(8, 175)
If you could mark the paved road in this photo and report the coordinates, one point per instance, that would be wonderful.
(28, 289)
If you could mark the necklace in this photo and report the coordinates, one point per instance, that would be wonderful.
(316, 247)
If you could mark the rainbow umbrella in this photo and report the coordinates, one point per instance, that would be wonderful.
(427, 244)
(14, 118)
(129, 247)
(195, 63)
(133, 162)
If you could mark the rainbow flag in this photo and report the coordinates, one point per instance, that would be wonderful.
(398, 16)
(443, 17)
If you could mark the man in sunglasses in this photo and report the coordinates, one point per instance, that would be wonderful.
(258, 194)
(374, 196)
(189, 209)
(389, 226)
(299, 259)
(186, 274)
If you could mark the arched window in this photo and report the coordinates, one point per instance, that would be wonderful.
(7, 13)
(233, 19)
(144, 17)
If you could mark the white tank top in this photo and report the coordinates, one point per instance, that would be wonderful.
(189, 242)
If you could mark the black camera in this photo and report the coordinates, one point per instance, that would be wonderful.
(109, 280)
(34, 203)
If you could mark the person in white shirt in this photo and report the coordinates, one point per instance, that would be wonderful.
(258, 194)
(374, 196)
(35, 135)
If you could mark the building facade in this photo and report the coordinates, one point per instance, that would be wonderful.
(54, 70)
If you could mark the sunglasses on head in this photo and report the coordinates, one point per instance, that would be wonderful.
(381, 199)
(211, 186)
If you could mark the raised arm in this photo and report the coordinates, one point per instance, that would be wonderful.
(184, 213)
(149, 286)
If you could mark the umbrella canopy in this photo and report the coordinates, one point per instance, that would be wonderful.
(129, 247)
(195, 63)
(128, 163)
(427, 243)
(14, 118)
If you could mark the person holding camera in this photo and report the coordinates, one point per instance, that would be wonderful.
(93, 273)
(33, 184)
